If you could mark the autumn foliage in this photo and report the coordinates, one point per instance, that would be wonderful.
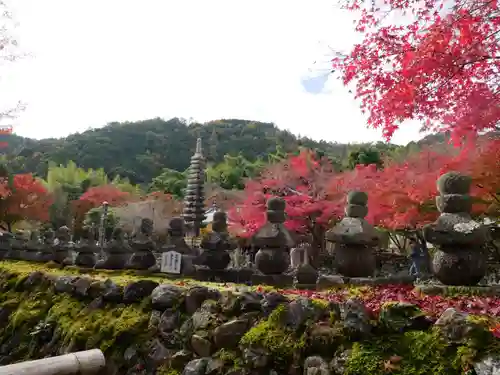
(301, 181)
(23, 197)
(401, 195)
(96, 196)
(441, 67)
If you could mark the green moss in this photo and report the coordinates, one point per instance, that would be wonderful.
(165, 370)
(272, 336)
(108, 327)
(421, 353)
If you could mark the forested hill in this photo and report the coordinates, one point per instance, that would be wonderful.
(140, 150)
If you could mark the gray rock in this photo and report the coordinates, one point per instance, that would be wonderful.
(356, 318)
(201, 346)
(137, 291)
(82, 287)
(456, 328)
(196, 367)
(197, 295)
(338, 363)
(228, 335)
(165, 296)
(65, 284)
(169, 321)
(316, 365)
(255, 358)
(488, 366)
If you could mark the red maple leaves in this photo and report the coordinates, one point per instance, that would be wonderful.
(441, 68)
(301, 181)
(25, 199)
(401, 195)
(96, 196)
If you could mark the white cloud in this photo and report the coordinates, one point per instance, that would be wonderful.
(98, 61)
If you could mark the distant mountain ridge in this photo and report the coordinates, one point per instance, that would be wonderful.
(140, 150)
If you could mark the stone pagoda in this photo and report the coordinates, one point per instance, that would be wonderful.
(194, 201)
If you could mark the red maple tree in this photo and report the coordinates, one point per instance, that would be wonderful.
(441, 68)
(402, 194)
(95, 197)
(23, 198)
(301, 181)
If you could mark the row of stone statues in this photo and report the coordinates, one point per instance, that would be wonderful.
(459, 258)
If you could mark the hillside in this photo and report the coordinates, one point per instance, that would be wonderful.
(140, 150)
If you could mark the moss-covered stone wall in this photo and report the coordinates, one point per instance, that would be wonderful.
(148, 327)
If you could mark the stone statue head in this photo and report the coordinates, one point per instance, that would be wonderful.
(34, 235)
(63, 233)
(86, 232)
(176, 227)
(454, 189)
(48, 236)
(118, 234)
(276, 210)
(219, 223)
(357, 202)
(147, 226)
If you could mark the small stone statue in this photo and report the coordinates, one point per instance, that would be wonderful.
(62, 248)
(86, 249)
(33, 247)
(143, 247)
(46, 253)
(5, 246)
(176, 232)
(17, 246)
(117, 252)
(175, 242)
(302, 270)
(273, 240)
(460, 258)
(216, 244)
(356, 239)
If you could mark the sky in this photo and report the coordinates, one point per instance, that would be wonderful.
(98, 61)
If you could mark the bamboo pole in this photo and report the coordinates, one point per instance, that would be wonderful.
(88, 362)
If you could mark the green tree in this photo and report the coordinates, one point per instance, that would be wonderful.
(364, 156)
(232, 172)
(170, 182)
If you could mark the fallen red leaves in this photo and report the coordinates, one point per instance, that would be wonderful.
(375, 297)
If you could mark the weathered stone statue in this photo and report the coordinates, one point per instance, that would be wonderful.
(117, 252)
(216, 244)
(46, 253)
(5, 239)
(143, 247)
(86, 249)
(176, 232)
(175, 242)
(459, 258)
(356, 239)
(273, 240)
(17, 246)
(301, 268)
(62, 247)
(33, 247)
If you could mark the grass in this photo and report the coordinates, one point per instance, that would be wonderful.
(119, 277)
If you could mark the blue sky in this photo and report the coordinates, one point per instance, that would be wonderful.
(116, 60)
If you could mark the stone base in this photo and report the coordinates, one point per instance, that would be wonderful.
(329, 281)
(305, 286)
(388, 280)
(238, 276)
(273, 280)
(446, 290)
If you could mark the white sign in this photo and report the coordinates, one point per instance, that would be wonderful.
(171, 262)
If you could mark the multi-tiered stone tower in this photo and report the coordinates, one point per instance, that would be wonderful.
(194, 200)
